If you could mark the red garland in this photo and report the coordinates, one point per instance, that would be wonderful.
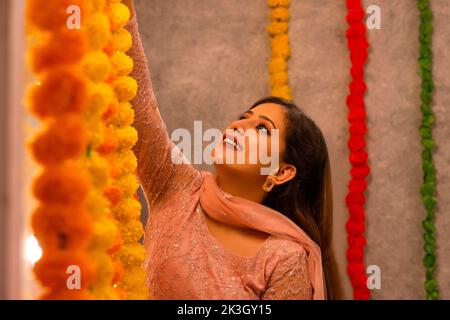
(355, 200)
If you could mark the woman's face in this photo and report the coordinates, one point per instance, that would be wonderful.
(254, 141)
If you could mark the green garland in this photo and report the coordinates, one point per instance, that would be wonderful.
(428, 188)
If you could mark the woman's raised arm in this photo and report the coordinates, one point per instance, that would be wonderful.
(158, 173)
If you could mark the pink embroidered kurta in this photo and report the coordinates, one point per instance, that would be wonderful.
(184, 260)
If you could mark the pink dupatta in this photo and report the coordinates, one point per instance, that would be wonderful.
(245, 213)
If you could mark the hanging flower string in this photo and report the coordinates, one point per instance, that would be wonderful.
(355, 200)
(280, 49)
(107, 239)
(88, 183)
(122, 192)
(61, 223)
(428, 188)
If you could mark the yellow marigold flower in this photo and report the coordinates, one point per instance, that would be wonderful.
(126, 162)
(96, 66)
(104, 266)
(127, 209)
(280, 46)
(277, 65)
(125, 88)
(132, 231)
(122, 40)
(97, 28)
(127, 137)
(131, 255)
(282, 51)
(134, 277)
(100, 96)
(97, 204)
(119, 15)
(96, 136)
(124, 116)
(283, 92)
(128, 183)
(95, 5)
(276, 27)
(122, 64)
(105, 231)
(279, 14)
(278, 79)
(279, 40)
(106, 292)
(134, 282)
(279, 3)
(98, 168)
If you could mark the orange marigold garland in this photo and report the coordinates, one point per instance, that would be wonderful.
(61, 222)
(73, 222)
(122, 191)
(279, 43)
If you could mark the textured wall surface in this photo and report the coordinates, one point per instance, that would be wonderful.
(209, 62)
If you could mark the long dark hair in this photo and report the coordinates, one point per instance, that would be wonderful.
(307, 198)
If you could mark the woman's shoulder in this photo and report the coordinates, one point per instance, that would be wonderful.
(283, 256)
(282, 250)
(286, 245)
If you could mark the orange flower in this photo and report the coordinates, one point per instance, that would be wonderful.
(109, 144)
(110, 48)
(65, 47)
(121, 293)
(64, 184)
(66, 294)
(62, 90)
(118, 271)
(114, 194)
(65, 138)
(51, 15)
(52, 268)
(62, 227)
(112, 111)
(117, 245)
(115, 170)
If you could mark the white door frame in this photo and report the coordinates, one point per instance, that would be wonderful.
(14, 216)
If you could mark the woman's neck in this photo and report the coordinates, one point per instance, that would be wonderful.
(241, 187)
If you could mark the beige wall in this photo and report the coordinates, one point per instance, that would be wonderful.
(208, 62)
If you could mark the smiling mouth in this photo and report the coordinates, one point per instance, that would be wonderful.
(232, 142)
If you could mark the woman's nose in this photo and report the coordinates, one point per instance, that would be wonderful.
(239, 131)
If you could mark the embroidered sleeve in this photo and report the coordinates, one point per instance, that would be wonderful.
(290, 280)
(159, 169)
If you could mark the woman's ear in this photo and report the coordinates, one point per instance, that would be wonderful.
(287, 172)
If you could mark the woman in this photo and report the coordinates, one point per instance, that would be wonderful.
(236, 234)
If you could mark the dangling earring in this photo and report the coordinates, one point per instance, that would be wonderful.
(270, 181)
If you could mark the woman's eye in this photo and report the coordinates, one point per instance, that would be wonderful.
(262, 127)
